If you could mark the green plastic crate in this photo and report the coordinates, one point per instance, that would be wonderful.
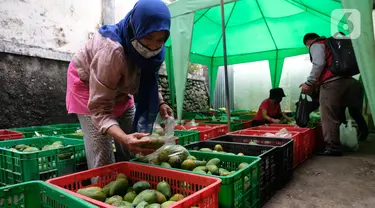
(236, 191)
(67, 128)
(234, 126)
(38, 194)
(16, 167)
(33, 131)
(71, 136)
(239, 112)
(186, 137)
(245, 117)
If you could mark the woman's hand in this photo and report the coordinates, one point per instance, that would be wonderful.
(165, 110)
(133, 143)
(276, 121)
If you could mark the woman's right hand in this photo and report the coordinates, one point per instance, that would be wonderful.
(133, 142)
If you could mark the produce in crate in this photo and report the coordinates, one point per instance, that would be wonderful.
(177, 156)
(55, 145)
(170, 154)
(120, 193)
(219, 149)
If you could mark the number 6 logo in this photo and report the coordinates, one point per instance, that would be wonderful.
(349, 20)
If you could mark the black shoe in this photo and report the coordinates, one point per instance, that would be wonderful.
(330, 153)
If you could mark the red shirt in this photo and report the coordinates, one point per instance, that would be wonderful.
(326, 73)
(273, 110)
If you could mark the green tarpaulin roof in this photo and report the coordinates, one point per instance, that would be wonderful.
(255, 30)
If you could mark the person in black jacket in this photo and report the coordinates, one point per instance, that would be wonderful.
(355, 111)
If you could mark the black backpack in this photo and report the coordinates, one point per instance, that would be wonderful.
(343, 61)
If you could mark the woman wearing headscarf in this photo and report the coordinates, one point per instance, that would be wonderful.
(120, 61)
(270, 110)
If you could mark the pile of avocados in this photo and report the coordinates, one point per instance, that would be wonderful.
(120, 193)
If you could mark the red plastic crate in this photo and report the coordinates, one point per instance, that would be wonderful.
(317, 141)
(308, 135)
(9, 135)
(299, 153)
(246, 123)
(219, 129)
(205, 133)
(203, 191)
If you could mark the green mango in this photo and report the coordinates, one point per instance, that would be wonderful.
(122, 204)
(143, 204)
(140, 186)
(113, 199)
(107, 187)
(213, 161)
(164, 188)
(31, 149)
(130, 196)
(155, 205)
(167, 204)
(150, 196)
(93, 192)
(213, 169)
(119, 187)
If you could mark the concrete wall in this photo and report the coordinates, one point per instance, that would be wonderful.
(51, 29)
(32, 91)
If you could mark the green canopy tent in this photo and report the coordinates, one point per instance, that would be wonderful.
(364, 45)
(256, 30)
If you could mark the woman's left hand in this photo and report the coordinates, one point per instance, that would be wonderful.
(165, 111)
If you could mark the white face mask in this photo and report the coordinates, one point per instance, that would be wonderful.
(145, 52)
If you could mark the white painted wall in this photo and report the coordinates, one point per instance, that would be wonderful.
(122, 8)
(252, 82)
(47, 28)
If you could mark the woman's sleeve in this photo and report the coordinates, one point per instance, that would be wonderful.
(105, 73)
(264, 106)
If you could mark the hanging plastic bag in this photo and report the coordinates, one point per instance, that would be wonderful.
(303, 111)
(348, 136)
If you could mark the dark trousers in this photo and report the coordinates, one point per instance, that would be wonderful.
(335, 96)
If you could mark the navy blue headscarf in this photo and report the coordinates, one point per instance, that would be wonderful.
(146, 17)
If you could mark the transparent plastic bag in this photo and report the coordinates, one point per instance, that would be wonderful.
(192, 123)
(168, 155)
(162, 134)
(348, 136)
(283, 133)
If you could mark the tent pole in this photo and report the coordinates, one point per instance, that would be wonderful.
(225, 64)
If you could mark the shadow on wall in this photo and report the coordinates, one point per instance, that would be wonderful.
(32, 91)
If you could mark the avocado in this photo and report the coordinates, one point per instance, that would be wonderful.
(140, 186)
(93, 192)
(119, 187)
(213, 161)
(130, 196)
(176, 197)
(164, 188)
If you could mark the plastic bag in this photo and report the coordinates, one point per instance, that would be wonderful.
(283, 133)
(303, 111)
(192, 123)
(162, 134)
(168, 155)
(348, 136)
